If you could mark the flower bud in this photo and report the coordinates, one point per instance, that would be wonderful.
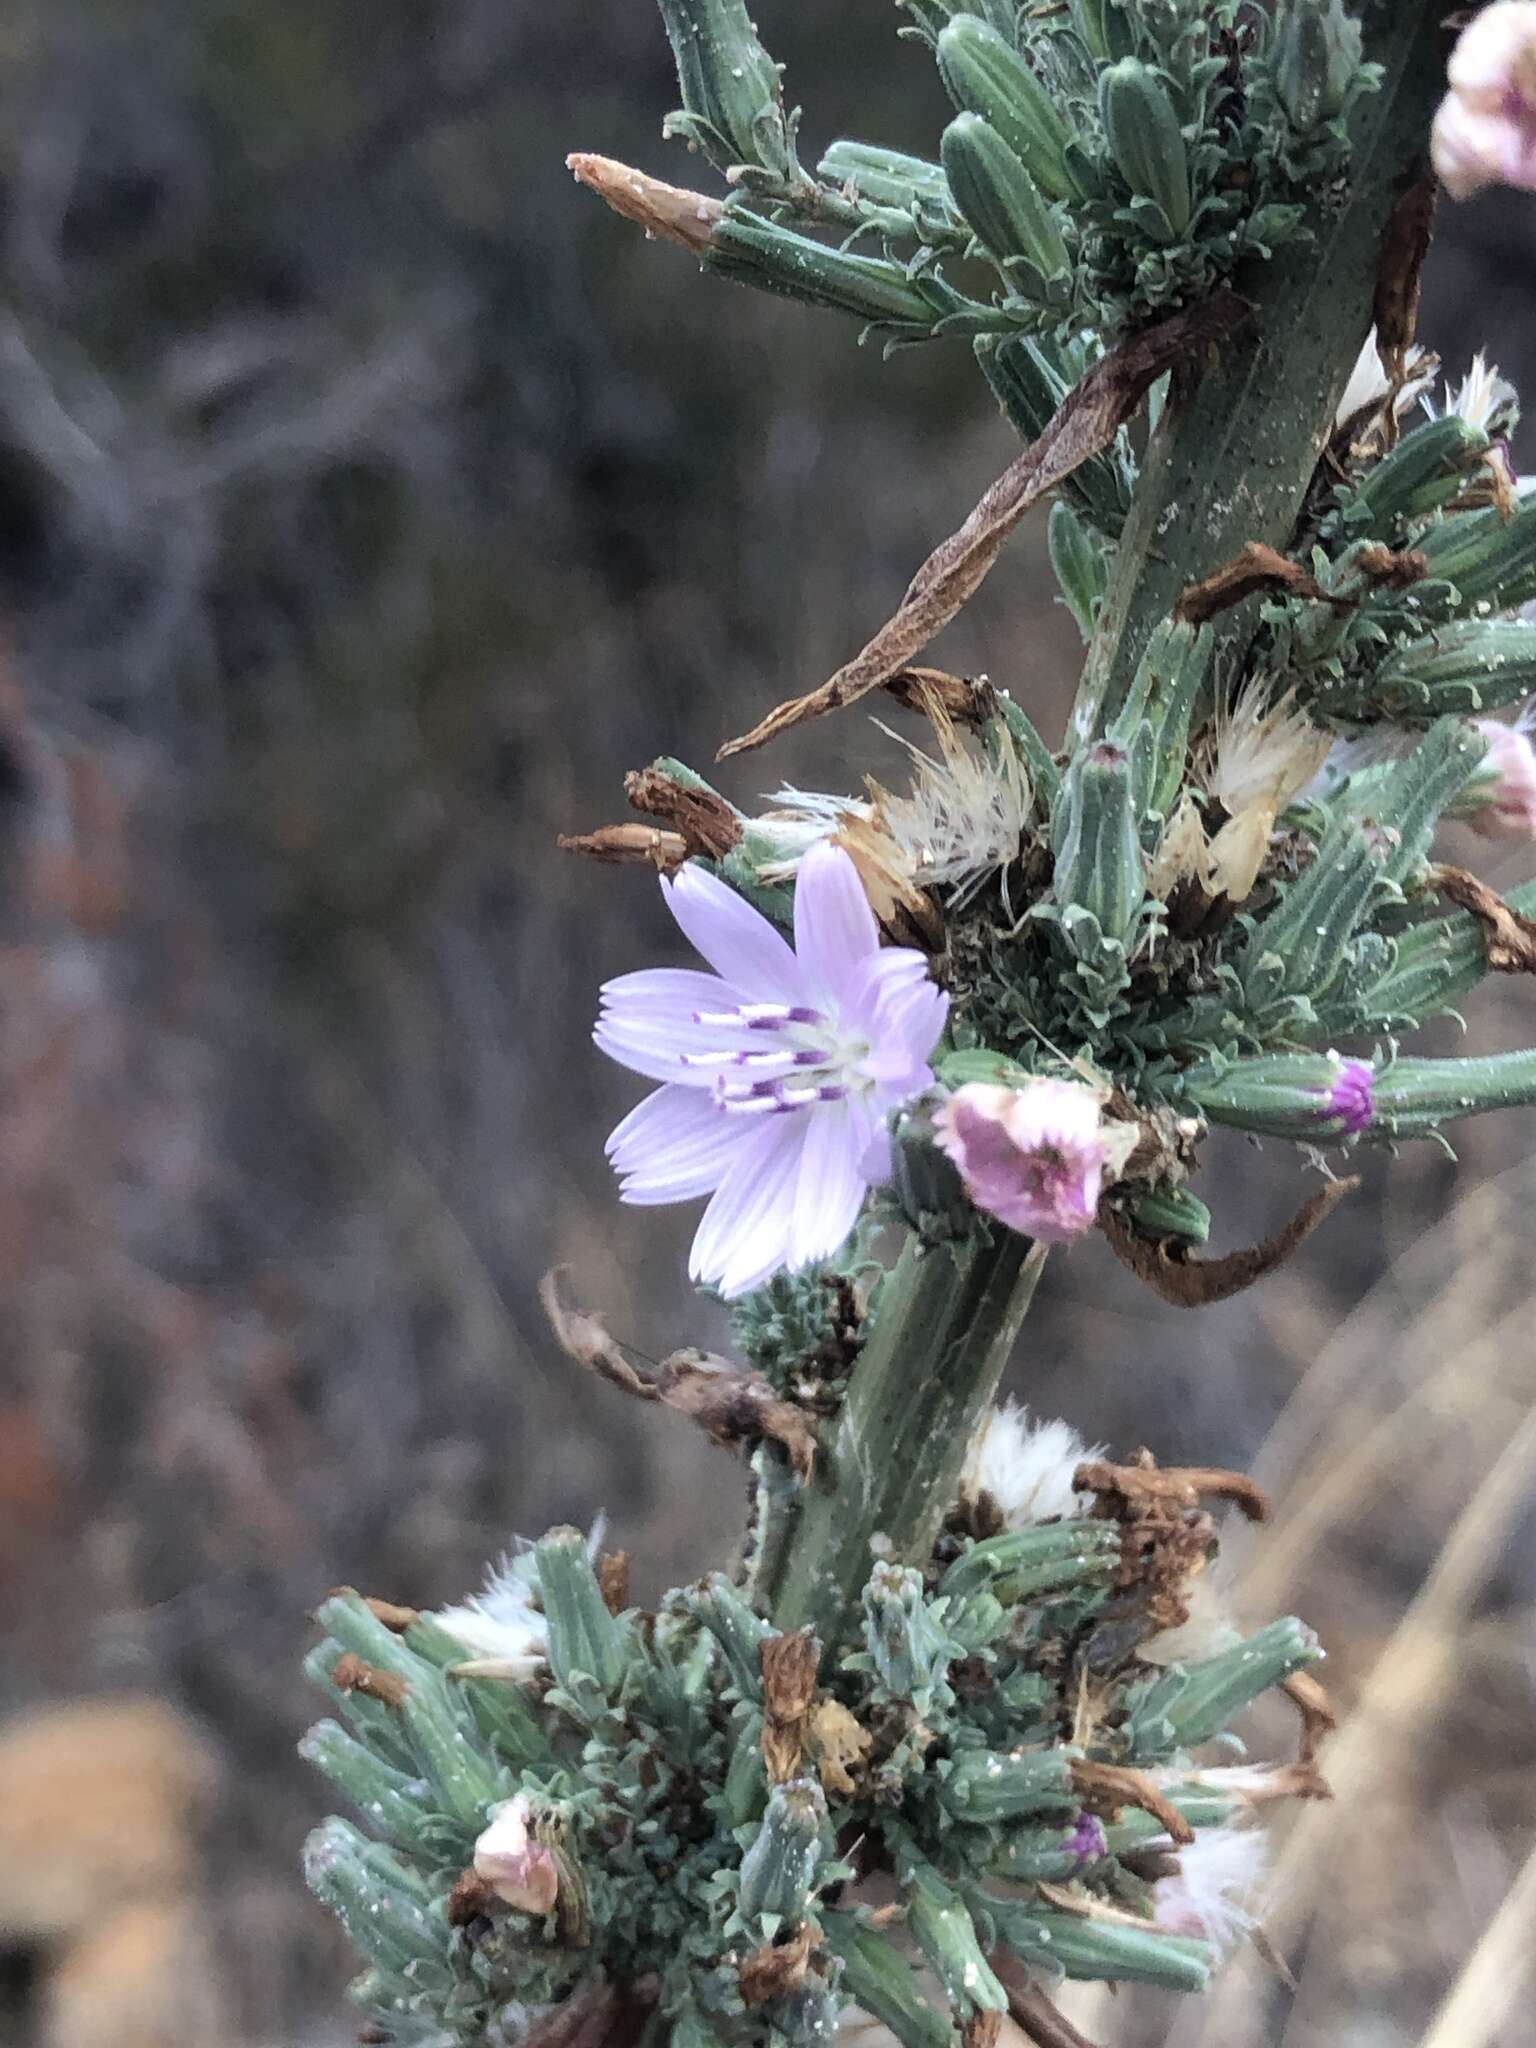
(1145, 140)
(1490, 558)
(1424, 471)
(517, 1867)
(878, 1978)
(775, 259)
(946, 1934)
(1316, 58)
(1186, 1707)
(1096, 838)
(1036, 1563)
(1470, 665)
(384, 1904)
(733, 103)
(1001, 204)
(778, 1872)
(1106, 28)
(1309, 1097)
(984, 74)
(886, 177)
(1033, 1157)
(1173, 1212)
(903, 1640)
(986, 1786)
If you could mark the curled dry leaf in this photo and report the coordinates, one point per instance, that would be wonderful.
(776, 1968)
(1087, 421)
(350, 1674)
(731, 1407)
(789, 1665)
(1109, 1788)
(701, 818)
(1255, 569)
(1509, 939)
(1187, 1282)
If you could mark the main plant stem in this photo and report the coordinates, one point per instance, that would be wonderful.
(1231, 461)
(947, 1321)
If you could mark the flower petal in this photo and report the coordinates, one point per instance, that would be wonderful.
(835, 929)
(674, 1146)
(743, 1237)
(829, 1187)
(648, 1021)
(736, 940)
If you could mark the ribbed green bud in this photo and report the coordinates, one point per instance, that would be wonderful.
(1081, 565)
(1025, 1855)
(1001, 204)
(1096, 838)
(1106, 28)
(733, 102)
(1435, 964)
(1102, 1950)
(1301, 947)
(1030, 386)
(1490, 559)
(906, 1645)
(878, 1978)
(1163, 694)
(736, 1628)
(946, 1934)
(385, 1905)
(984, 1786)
(1470, 666)
(1316, 56)
(1311, 1097)
(1415, 1097)
(775, 259)
(389, 1799)
(746, 1781)
(1142, 130)
(584, 1638)
(778, 1872)
(1420, 474)
(1172, 1212)
(1186, 1707)
(887, 177)
(1038, 1563)
(984, 74)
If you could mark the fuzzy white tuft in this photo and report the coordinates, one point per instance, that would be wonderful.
(1209, 1630)
(1484, 398)
(1211, 1895)
(1369, 389)
(1026, 1466)
(964, 816)
(501, 1628)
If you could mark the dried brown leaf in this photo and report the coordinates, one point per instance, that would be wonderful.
(1509, 938)
(1108, 1788)
(1400, 274)
(1089, 418)
(839, 1744)
(629, 846)
(789, 1663)
(613, 1580)
(1254, 569)
(703, 820)
(670, 211)
(350, 1674)
(1187, 1282)
(776, 1968)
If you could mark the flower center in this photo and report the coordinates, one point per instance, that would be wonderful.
(804, 1059)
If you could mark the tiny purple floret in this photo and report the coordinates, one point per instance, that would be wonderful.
(1087, 1841)
(1350, 1099)
(779, 1070)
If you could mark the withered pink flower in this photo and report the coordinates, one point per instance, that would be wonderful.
(517, 1868)
(1485, 131)
(1508, 776)
(1031, 1156)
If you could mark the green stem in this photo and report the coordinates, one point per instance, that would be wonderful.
(1232, 462)
(947, 1321)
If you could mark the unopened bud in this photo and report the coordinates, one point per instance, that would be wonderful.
(778, 1872)
(1309, 1097)
(1001, 204)
(984, 74)
(1317, 58)
(1144, 138)
(733, 102)
(1096, 839)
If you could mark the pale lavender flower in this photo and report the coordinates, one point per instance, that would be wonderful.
(517, 1866)
(781, 1069)
(1032, 1156)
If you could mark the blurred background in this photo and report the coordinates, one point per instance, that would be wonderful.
(370, 500)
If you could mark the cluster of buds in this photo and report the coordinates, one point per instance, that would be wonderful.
(686, 1818)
